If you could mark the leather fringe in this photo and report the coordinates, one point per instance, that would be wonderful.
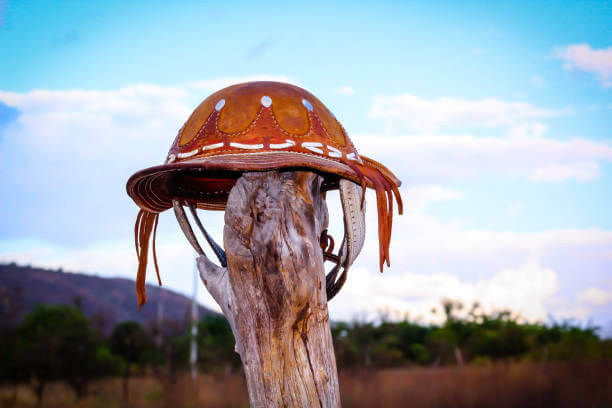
(146, 222)
(386, 190)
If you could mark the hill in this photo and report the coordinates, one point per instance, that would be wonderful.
(106, 301)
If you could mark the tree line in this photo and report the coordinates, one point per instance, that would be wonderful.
(476, 338)
(58, 343)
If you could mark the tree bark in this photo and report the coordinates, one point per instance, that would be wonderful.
(273, 289)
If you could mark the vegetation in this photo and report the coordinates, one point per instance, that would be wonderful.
(57, 344)
(132, 343)
(500, 385)
(479, 338)
(216, 345)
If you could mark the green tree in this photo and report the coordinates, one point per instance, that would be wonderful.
(12, 371)
(216, 343)
(172, 355)
(132, 343)
(56, 343)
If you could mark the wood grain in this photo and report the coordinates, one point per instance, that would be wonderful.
(273, 290)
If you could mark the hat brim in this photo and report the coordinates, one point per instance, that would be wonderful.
(208, 180)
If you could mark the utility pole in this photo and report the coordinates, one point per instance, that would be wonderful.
(193, 355)
(159, 338)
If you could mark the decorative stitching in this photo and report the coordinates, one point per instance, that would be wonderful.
(177, 139)
(322, 125)
(267, 153)
(330, 140)
(313, 147)
(212, 146)
(280, 127)
(187, 154)
(277, 125)
(307, 145)
(220, 104)
(333, 152)
(246, 146)
(288, 143)
(198, 134)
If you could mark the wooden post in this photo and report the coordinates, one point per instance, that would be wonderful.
(273, 289)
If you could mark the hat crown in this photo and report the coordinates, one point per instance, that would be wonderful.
(257, 117)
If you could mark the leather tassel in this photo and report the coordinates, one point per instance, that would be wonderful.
(389, 194)
(396, 193)
(383, 214)
(387, 175)
(146, 222)
(386, 191)
(362, 179)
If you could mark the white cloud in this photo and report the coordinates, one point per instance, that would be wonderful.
(571, 311)
(346, 90)
(461, 156)
(524, 152)
(581, 305)
(136, 121)
(421, 242)
(595, 296)
(582, 57)
(86, 124)
(523, 290)
(525, 272)
(70, 153)
(409, 112)
(426, 241)
(527, 130)
(420, 196)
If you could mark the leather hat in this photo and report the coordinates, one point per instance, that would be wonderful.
(257, 126)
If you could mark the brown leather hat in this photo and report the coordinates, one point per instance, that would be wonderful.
(254, 126)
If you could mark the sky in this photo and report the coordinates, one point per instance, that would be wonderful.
(496, 117)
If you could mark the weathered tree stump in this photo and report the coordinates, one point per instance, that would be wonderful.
(273, 289)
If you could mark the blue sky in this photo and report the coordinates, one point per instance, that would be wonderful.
(495, 116)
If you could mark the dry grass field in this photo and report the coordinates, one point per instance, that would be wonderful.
(578, 384)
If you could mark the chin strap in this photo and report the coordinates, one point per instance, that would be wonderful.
(219, 252)
(183, 221)
(353, 240)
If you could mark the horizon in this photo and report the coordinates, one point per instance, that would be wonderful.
(381, 317)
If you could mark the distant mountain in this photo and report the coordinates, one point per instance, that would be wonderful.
(106, 301)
